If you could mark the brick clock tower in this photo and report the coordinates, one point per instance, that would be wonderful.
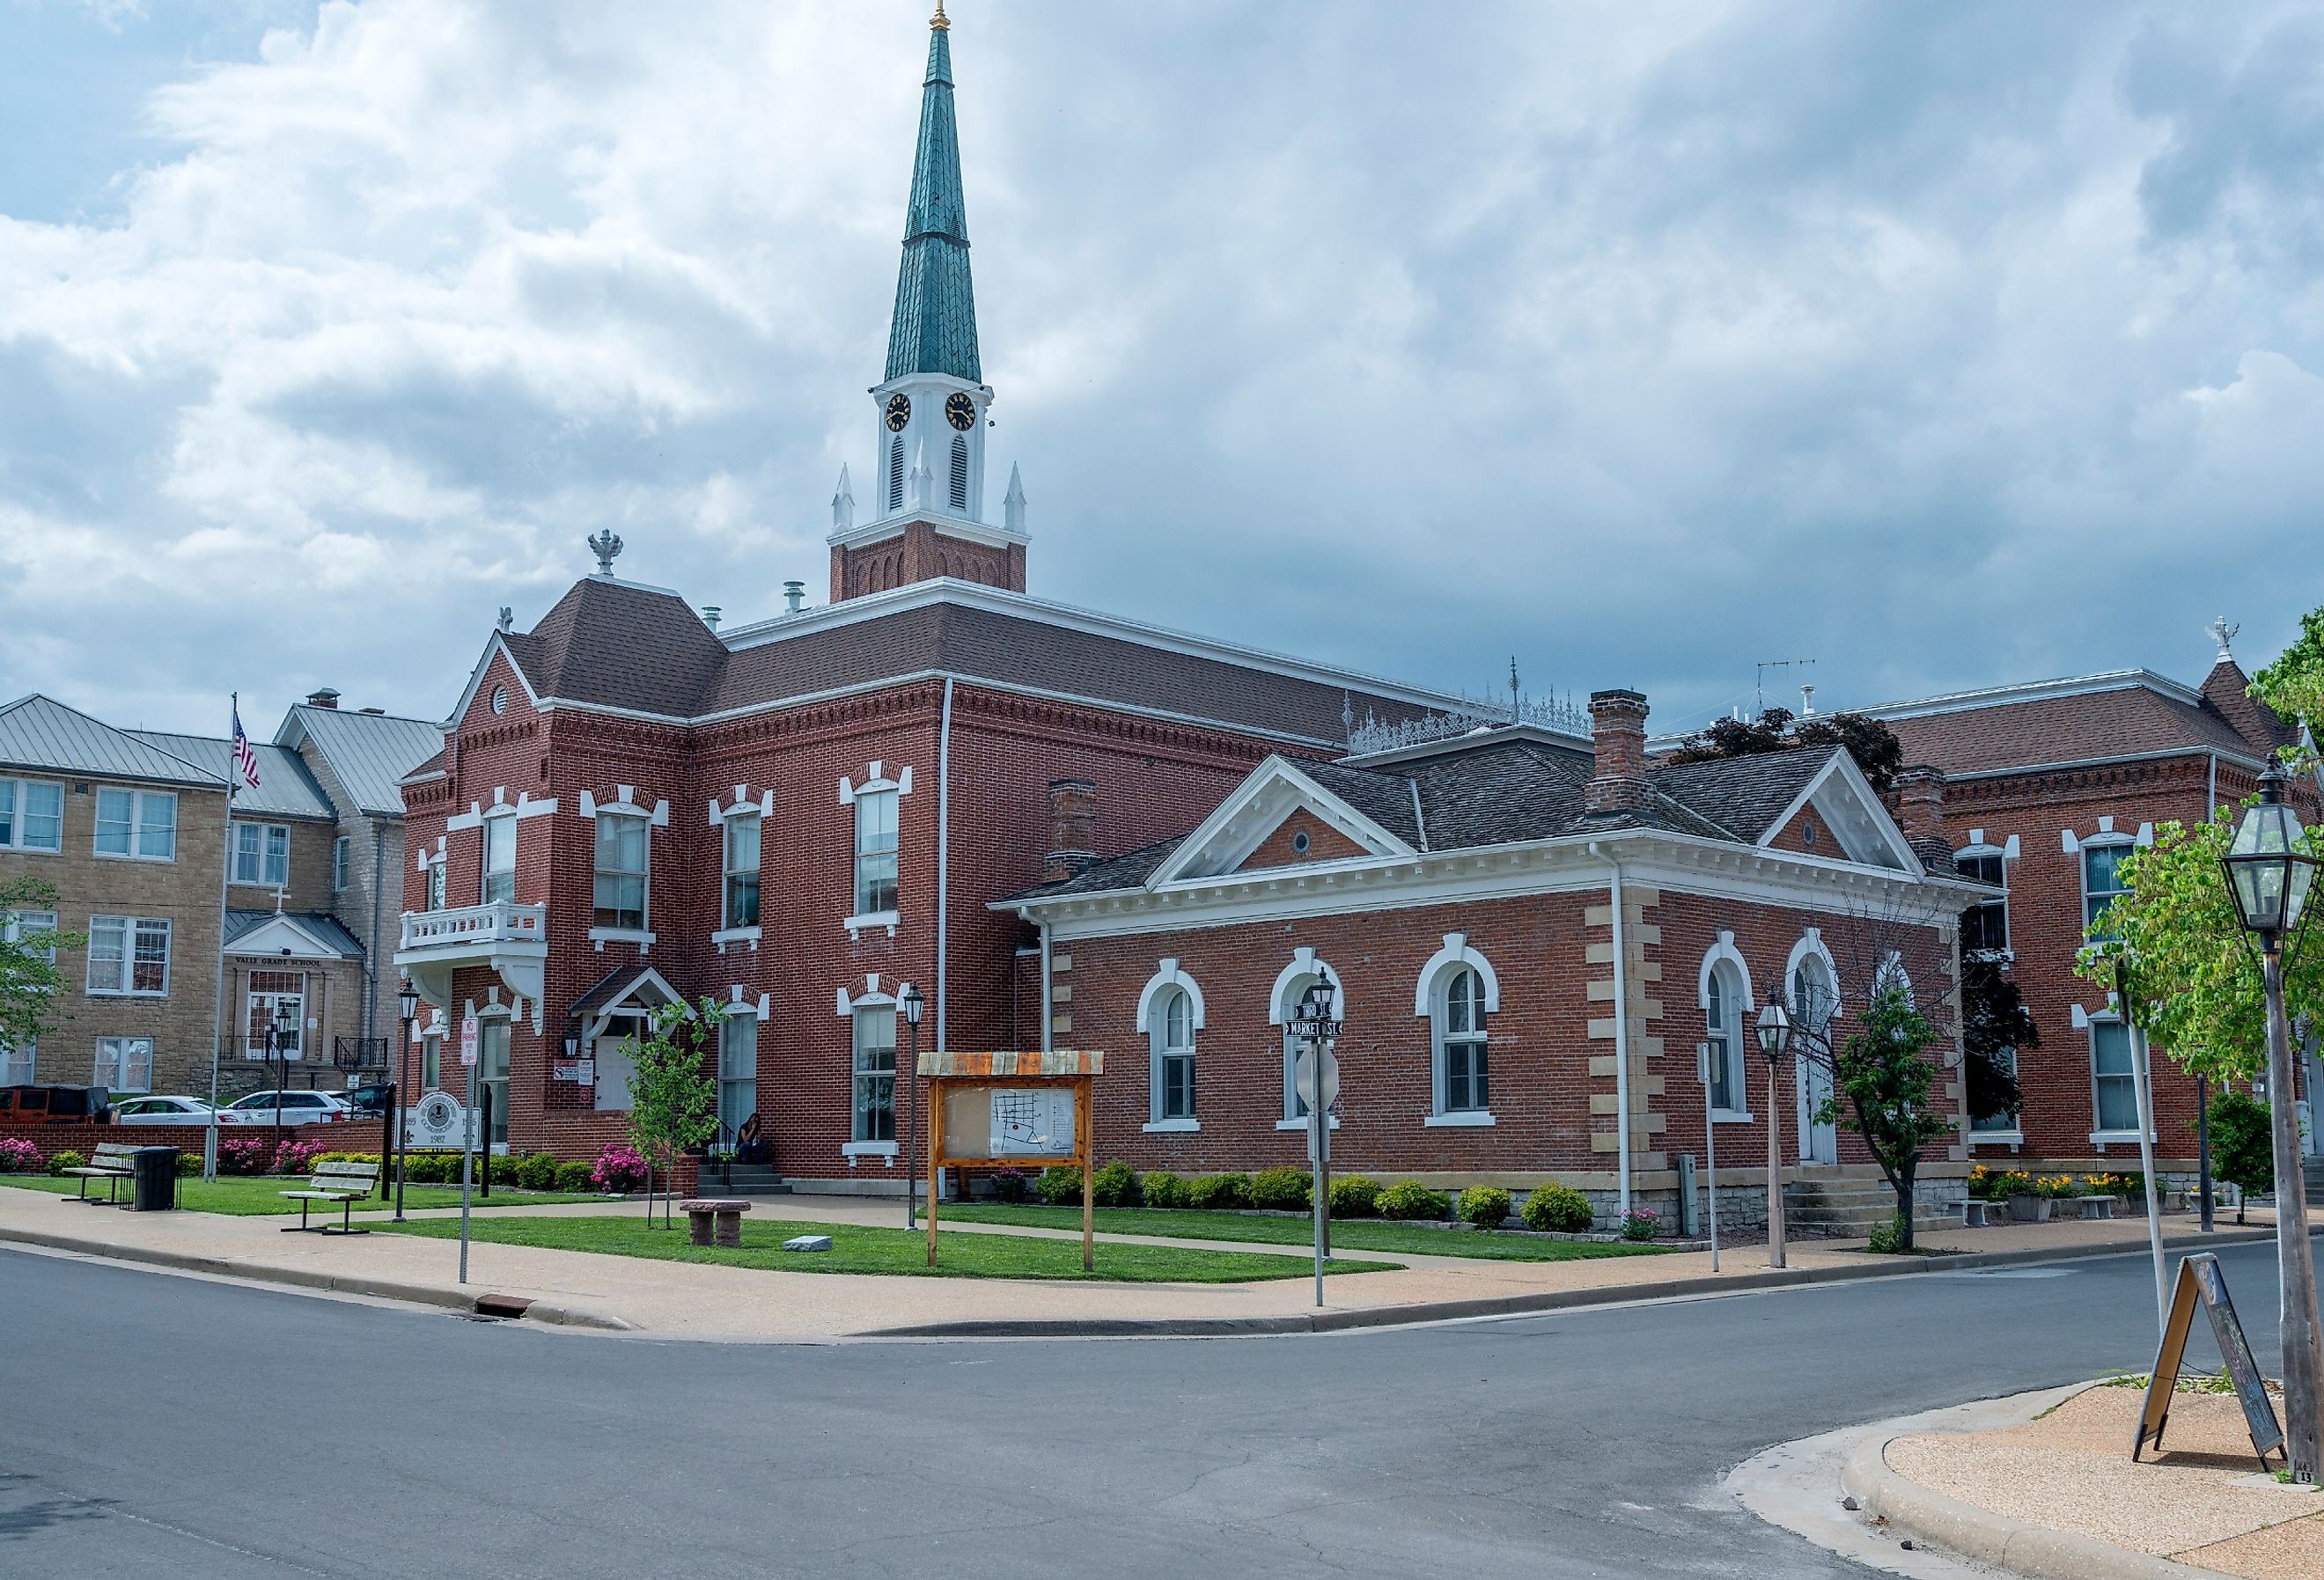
(923, 514)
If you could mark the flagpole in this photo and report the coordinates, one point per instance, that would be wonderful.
(225, 871)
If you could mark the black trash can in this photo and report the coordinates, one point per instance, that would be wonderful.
(154, 1170)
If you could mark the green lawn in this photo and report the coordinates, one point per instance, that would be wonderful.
(249, 1196)
(857, 1250)
(1352, 1234)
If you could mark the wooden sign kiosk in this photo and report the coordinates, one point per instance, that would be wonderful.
(1010, 1110)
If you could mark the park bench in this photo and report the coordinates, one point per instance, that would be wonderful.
(343, 1183)
(111, 1163)
(1973, 1214)
(2097, 1206)
(715, 1220)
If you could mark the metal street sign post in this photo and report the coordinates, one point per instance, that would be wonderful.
(470, 1033)
(1710, 1144)
(1316, 1077)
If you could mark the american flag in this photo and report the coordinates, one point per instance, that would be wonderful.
(245, 760)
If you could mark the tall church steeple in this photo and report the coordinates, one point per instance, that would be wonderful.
(926, 516)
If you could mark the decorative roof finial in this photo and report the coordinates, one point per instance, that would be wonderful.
(606, 544)
(2224, 633)
(508, 618)
(1515, 708)
(940, 23)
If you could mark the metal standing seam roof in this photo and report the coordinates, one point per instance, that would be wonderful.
(285, 788)
(328, 930)
(38, 733)
(934, 329)
(371, 752)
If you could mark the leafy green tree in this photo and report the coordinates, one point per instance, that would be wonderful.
(673, 1097)
(2294, 684)
(2242, 1147)
(1883, 1087)
(30, 984)
(1869, 741)
(1994, 1024)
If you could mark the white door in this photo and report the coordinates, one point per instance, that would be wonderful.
(614, 1066)
(1815, 1002)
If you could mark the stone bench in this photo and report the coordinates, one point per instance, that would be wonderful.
(2097, 1206)
(715, 1220)
(1973, 1214)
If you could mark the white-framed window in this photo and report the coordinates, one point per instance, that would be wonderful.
(1459, 1039)
(1890, 977)
(436, 882)
(2102, 881)
(18, 1065)
(740, 905)
(129, 954)
(25, 927)
(1815, 996)
(619, 889)
(137, 825)
(738, 1070)
(1290, 987)
(2114, 1090)
(875, 851)
(268, 995)
(1170, 1056)
(32, 815)
(339, 865)
(1727, 1013)
(1985, 926)
(124, 1064)
(261, 854)
(500, 859)
(431, 1063)
(875, 1074)
(492, 1074)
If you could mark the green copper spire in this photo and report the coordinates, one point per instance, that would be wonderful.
(935, 326)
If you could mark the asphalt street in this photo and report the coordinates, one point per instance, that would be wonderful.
(158, 1425)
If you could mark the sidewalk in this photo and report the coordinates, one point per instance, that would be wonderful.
(706, 1301)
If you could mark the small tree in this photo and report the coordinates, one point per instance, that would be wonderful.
(672, 1100)
(1995, 1022)
(1870, 742)
(1883, 1093)
(2243, 1149)
(2293, 686)
(30, 984)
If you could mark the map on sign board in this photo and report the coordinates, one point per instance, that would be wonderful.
(1032, 1122)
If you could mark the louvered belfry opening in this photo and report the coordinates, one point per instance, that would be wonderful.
(959, 473)
(895, 474)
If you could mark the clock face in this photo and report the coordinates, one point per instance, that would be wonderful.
(899, 412)
(959, 411)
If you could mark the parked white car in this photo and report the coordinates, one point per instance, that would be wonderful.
(164, 1110)
(297, 1108)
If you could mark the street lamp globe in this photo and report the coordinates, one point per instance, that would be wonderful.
(2270, 867)
(913, 1001)
(1774, 1029)
(407, 999)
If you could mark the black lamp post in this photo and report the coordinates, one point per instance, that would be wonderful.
(909, 999)
(2270, 868)
(406, 1009)
(279, 1027)
(1774, 1032)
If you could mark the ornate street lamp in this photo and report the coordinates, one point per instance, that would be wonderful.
(2270, 867)
(407, 1010)
(1774, 1031)
(909, 999)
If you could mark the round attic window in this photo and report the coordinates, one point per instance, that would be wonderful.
(1299, 842)
(500, 699)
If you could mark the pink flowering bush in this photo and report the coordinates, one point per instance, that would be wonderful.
(245, 1155)
(1641, 1224)
(618, 1169)
(298, 1156)
(19, 1156)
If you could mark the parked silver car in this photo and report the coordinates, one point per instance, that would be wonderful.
(163, 1109)
(297, 1108)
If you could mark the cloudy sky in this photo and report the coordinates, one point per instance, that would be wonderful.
(1946, 346)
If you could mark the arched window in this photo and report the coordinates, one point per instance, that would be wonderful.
(1290, 986)
(1170, 1036)
(960, 473)
(1815, 996)
(895, 474)
(1727, 1013)
(1460, 1043)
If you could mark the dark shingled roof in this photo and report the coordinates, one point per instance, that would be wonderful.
(1744, 795)
(2080, 726)
(621, 646)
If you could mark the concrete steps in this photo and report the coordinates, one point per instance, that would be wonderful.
(1847, 1207)
(2314, 1169)
(746, 1179)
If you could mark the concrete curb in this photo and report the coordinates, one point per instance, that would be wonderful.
(227, 1267)
(2032, 1550)
(1330, 1321)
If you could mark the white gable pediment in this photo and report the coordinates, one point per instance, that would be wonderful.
(1848, 805)
(1256, 808)
(285, 937)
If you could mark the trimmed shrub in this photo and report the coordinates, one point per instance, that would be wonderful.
(1559, 1209)
(1009, 1185)
(1219, 1192)
(19, 1156)
(298, 1157)
(1410, 1200)
(1887, 1239)
(347, 1158)
(423, 1168)
(59, 1162)
(1115, 1185)
(537, 1172)
(1059, 1187)
(1486, 1207)
(245, 1154)
(1641, 1224)
(188, 1163)
(575, 1177)
(1355, 1196)
(1282, 1190)
(1158, 1187)
(618, 1169)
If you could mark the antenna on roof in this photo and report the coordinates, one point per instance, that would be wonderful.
(1513, 683)
(1759, 681)
(606, 544)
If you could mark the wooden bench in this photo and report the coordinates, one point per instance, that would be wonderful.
(110, 1162)
(715, 1220)
(345, 1184)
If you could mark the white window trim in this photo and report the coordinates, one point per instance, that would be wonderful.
(1304, 963)
(1890, 972)
(870, 920)
(1302, 1124)
(1168, 978)
(875, 782)
(2088, 1024)
(1455, 952)
(137, 799)
(865, 1148)
(342, 863)
(497, 818)
(763, 810)
(737, 935)
(643, 937)
(1723, 950)
(234, 854)
(1460, 1118)
(1428, 997)
(2006, 854)
(113, 1063)
(129, 957)
(1811, 946)
(1180, 1126)
(2082, 867)
(15, 842)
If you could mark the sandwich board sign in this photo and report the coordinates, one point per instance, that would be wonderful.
(2199, 1279)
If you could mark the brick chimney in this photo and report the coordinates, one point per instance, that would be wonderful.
(325, 697)
(1618, 739)
(1072, 830)
(1920, 814)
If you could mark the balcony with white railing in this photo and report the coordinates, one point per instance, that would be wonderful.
(509, 940)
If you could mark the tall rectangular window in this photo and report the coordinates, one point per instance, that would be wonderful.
(621, 881)
(435, 883)
(29, 927)
(738, 1072)
(1722, 1017)
(492, 1075)
(261, 854)
(1985, 926)
(875, 1074)
(339, 863)
(32, 815)
(742, 906)
(124, 1064)
(18, 1065)
(2116, 1088)
(2102, 878)
(128, 954)
(275, 998)
(875, 852)
(143, 824)
(2006, 1059)
(500, 860)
